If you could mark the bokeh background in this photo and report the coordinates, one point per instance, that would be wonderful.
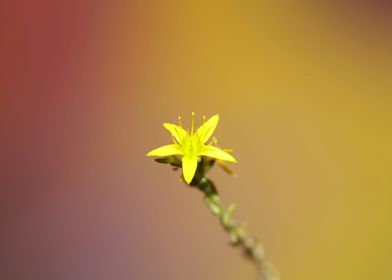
(303, 89)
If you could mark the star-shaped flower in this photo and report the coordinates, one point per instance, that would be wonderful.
(191, 146)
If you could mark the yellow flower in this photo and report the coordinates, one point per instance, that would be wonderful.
(191, 146)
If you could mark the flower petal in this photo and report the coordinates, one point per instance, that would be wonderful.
(207, 129)
(189, 165)
(177, 131)
(164, 151)
(217, 153)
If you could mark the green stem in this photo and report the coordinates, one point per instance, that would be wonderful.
(238, 235)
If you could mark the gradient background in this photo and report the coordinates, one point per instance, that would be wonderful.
(304, 93)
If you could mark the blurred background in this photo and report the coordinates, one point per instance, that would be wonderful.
(303, 89)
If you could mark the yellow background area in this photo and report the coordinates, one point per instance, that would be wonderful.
(304, 93)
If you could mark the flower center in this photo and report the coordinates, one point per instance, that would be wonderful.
(190, 143)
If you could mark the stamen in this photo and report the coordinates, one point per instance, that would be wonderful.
(193, 122)
(204, 119)
(179, 121)
(213, 141)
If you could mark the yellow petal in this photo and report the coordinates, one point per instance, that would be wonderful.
(177, 131)
(164, 151)
(215, 152)
(207, 129)
(226, 167)
(189, 165)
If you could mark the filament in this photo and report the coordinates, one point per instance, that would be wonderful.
(179, 121)
(193, 122)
